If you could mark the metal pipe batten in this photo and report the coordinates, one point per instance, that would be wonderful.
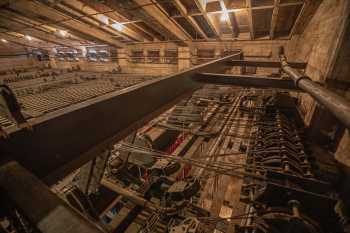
(245, 80)
(133, 197)
(39, 204)
(337, 105)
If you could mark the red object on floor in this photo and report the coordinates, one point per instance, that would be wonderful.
(184, 172)
(177, 142)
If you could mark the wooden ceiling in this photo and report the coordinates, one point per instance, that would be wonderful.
(117, 23)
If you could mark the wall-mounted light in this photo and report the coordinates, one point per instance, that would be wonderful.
(118, 26)
(28, 37)
(4, 40)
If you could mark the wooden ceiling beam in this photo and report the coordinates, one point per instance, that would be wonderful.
(132, 11)
(11, 50)
(300, 16)
(65, 21)
(154, 10)
(20, 40)
(183, 11)
(92, 13)
(235, 25)
(34, 32)
(91, 21)
(201, 6)
(274, 18)
(32, 21)
(250, 19)
(131, 26)
(230, 20)
(291, 4)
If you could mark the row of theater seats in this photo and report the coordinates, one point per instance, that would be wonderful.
(34, 74)
(18, 70)
(4, 122)
(46, 90)
(60, 97)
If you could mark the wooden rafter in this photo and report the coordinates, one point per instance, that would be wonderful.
(113, 14)
(305, 5)
(121, 14)
(274, 18)
(20, 40)
(27, 29)
(65, 21)
(250, 19)
(144, 20)
(140, 15)
(213, 26)
(92, 22)
(231, 22)
(32, 21)
(253, 8)
(92, 13)
(183, 11)
(154, 10)
(228, 20)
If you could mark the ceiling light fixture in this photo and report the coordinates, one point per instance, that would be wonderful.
(62, 33)
(28, 37)
(118, 26)
(235, 10)
(4, 40)
(104, 19)
(224, 17)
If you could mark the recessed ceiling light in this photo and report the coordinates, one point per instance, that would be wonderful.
(3, 40)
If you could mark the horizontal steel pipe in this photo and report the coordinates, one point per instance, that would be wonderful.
(337, 105)
(245, 80)
(268, 64)
(134, 198)
(45, 210)
(64, 140)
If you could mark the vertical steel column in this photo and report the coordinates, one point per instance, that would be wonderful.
(46, 211)
(336, 104)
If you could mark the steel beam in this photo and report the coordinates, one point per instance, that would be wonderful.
(337, 105)
(245, 80)
(64, 140)
(39, 204)
(270, 64)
